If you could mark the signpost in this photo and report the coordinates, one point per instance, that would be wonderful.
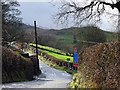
(68, 59)
(75, 64)
(75, 57)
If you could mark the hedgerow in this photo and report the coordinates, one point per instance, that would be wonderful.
(101, 63)
(17, 68)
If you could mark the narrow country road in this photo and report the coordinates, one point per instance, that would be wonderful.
(50, 78)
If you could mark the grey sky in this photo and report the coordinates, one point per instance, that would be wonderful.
(43, 13)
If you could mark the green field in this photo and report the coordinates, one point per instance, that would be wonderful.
(111, 36)
(49, 48)
(65, 36)
(62, 57)
(59, 56)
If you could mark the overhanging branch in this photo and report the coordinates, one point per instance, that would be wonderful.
(79, 14)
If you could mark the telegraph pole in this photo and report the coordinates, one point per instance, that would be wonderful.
(36, 43)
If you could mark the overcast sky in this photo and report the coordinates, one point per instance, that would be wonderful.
(43, 11)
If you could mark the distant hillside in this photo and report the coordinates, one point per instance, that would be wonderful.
(29, 28)
(64, 39)
(66, 35)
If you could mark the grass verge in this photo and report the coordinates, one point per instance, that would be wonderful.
(80, 81)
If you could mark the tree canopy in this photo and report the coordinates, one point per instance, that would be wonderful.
(11, 22)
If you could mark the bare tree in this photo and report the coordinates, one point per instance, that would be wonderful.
(11, 21)
(90, 10)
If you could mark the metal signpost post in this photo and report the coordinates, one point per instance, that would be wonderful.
(68, 59)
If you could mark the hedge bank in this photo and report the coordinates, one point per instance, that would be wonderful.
(99, 64)
(17, 68)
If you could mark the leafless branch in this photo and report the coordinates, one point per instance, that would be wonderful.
(78, 14)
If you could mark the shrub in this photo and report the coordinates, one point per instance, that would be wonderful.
(15, 67)
(102, 63)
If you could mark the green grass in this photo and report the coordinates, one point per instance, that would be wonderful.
(65, 36)
(49, 48)
(30, 51)
(80, 81)
(111, 36)
(62, 57)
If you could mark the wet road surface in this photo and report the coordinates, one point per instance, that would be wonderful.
(50, 78)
